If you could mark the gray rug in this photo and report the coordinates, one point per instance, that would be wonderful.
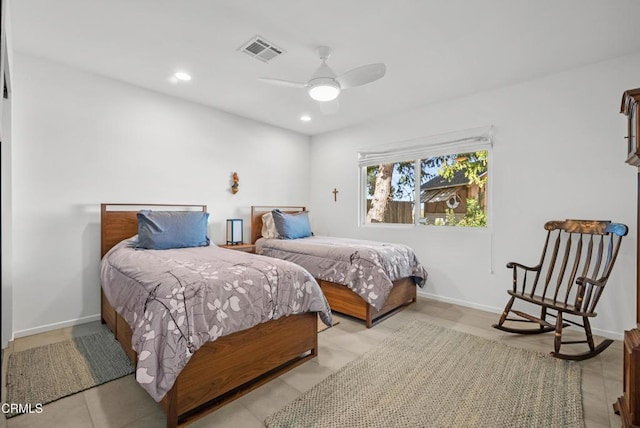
(47, 373)
(429, 376)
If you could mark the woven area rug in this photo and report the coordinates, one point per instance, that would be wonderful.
(47, 373)
(429, 376)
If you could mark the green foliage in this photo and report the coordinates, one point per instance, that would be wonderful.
(371, 179)
(473, 164)
(450, 217)
(475, 216)
(405, 181)
(406, 173)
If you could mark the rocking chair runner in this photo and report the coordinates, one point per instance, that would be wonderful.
(569, 280)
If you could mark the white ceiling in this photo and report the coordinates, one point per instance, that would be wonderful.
(434, 49)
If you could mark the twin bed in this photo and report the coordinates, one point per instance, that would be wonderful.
(367, 280)
(175, 313)
(205, 325)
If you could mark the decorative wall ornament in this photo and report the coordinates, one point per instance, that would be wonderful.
(235, 180)
(335, 194)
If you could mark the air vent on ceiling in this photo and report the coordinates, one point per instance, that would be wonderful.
(261, 49)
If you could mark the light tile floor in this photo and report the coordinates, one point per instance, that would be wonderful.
(122, 403)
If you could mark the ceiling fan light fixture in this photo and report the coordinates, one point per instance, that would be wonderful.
(324, 89)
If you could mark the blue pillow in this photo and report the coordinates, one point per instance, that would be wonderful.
(292, 226)
(161, 230)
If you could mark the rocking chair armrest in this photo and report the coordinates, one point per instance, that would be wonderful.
(583, 280)
(514, 265)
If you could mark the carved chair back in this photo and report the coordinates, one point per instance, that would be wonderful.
(575, 264)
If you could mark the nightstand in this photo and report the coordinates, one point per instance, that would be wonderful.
(247, 248)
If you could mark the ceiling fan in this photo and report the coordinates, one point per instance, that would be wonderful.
(324, 85)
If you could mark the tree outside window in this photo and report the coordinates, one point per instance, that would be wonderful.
(452, 190)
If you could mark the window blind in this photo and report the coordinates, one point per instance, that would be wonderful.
(468, 140)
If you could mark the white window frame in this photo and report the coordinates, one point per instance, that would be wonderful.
(465, 141)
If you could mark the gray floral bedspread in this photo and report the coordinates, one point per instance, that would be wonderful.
(177, 300)
(366, 267)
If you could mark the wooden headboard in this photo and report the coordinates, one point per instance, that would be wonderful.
(119, 221)
(256, 217)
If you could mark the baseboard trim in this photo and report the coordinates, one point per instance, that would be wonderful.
(55, 326)
(464, 303)
(604, 333)
(486, 308)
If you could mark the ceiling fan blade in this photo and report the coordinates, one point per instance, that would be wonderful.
(329, 107)
(361, 75)
(280, 82)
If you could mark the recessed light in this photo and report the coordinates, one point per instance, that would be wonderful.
(305, 118)
(181, 75)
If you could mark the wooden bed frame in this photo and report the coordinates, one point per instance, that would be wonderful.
(222, 370)
(341, 298)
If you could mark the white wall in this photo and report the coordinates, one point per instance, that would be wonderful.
(81, 139)
(5, 138)
(558, 153)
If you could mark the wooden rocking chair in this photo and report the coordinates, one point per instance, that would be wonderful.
(569, 280)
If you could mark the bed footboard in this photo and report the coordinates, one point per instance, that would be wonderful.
(231, 366)
(343, 300)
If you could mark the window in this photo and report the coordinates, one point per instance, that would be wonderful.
(448, 178)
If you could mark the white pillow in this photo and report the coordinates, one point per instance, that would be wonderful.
(269, 227)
